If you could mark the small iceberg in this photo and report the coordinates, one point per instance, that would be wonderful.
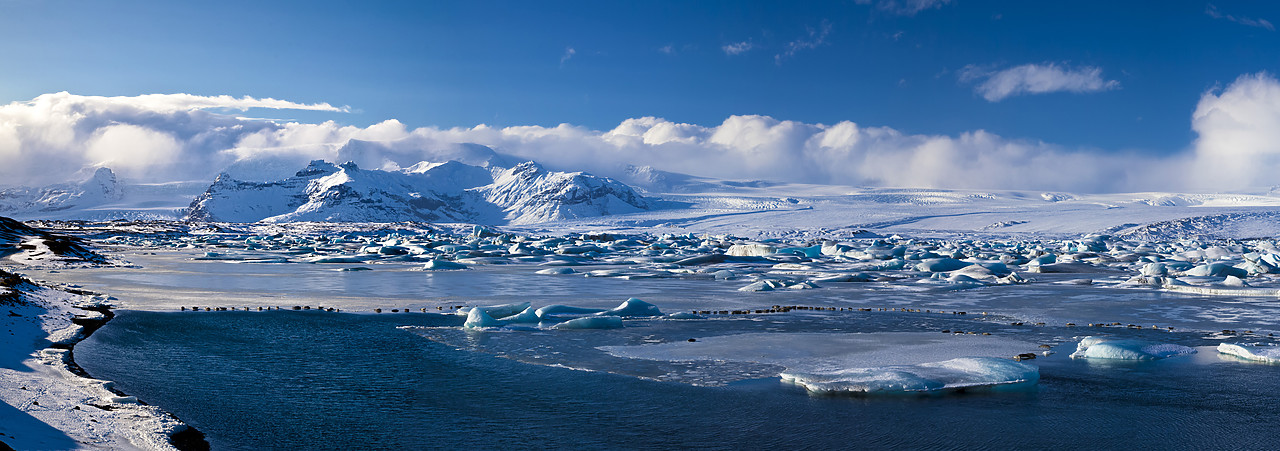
(496, 311)
(591, 322)
(954, 374)
(632, 307)
(1109, 348)
(529, 315)
(477, 318)
(564, 310)
(684, 315)
(442, 265)
(1267, 354)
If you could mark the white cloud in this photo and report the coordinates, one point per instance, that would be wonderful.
(568, 54)
(905, 7)
(812, 40)
(737, 48)
(54, 136)
(1239, 135)
(1213, 12)
(1035, 79)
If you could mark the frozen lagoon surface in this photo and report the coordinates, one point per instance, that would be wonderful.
(313, 379)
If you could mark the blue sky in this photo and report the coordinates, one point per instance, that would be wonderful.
(1122, 76)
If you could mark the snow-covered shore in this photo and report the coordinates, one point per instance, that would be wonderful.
(46, 401)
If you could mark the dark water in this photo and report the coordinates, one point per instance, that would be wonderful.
(312, 380)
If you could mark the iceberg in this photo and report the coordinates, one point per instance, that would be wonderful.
(564, 310)
(1217, 269)
(591, 322)
(478, 318)
(1268, 354)
(529, 315)
(497, 311)
(442, 265)
(750, 250)
(632, 307)
(1108, 348)
(954, 374)
(941, 265)
(684, 315)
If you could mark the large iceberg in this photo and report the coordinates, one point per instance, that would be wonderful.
(954, 374)
(1110, 348)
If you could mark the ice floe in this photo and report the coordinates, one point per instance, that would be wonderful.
(954, 374)
(1267, 354)
(1126, 349)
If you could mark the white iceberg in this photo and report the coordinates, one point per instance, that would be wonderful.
(496, 311)
(632, 307)
(529, 315)
(591, 322)
(1109, 348)
(750, 250)
(442, 265)
(564, 310)
(477, 318)
(1268, 354)
(954, 374)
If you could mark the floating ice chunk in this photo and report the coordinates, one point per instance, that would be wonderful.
(558, 270)
(1155, 269)
(442, 265)
(1268, 354)
(591, 322)
(750, 250)
(856, 277)
(763, 285)
(683, 315)
(961, 278)
(497, 311)
(478, 318)
(338, 259)
(564, 310)
(803, 286)
(1233, 281)
(356, 268)
(951, 374)
(811, 251)
(940, 265)
(1063, 268)
(632, 307)
(1217, 269)
(1108, 348)
(529, 315)
(724, 274)
(1046, 259)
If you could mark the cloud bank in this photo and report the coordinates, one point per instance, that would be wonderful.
(156, 138)
(1035, 79)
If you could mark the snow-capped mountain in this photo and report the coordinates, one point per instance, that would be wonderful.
(102, 187)
(443, 192)
(100, 197)
(530, 194)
